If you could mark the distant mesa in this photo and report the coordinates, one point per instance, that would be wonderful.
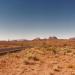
(50, 38)
(54, 37)
(73, 38)
(38, 38)
(20, 40)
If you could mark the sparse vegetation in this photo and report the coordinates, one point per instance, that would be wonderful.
(41, 57)
(71, 66)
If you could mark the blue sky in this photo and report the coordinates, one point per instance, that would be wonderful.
(36, 18)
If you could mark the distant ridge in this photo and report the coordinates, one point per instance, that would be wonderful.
(72, 38)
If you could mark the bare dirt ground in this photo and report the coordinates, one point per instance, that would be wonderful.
(39, 61)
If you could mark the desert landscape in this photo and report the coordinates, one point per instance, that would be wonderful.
(37, 37)
(38, 57)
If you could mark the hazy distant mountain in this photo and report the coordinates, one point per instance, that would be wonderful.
(20, 40)
(72, 38)
(54, 37)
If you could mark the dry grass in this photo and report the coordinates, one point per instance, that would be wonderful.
(46, 57)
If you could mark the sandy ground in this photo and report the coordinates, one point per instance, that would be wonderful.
(39, 61)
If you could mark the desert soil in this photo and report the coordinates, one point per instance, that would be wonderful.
(39, 61)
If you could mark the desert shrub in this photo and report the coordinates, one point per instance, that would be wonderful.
(51, 73)
(64, 44)
(1, 54)
(54, 50)
(70, 66)
(29, 62)
(48, 49)
(57, 68)
(69, 51)
(33, 58)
